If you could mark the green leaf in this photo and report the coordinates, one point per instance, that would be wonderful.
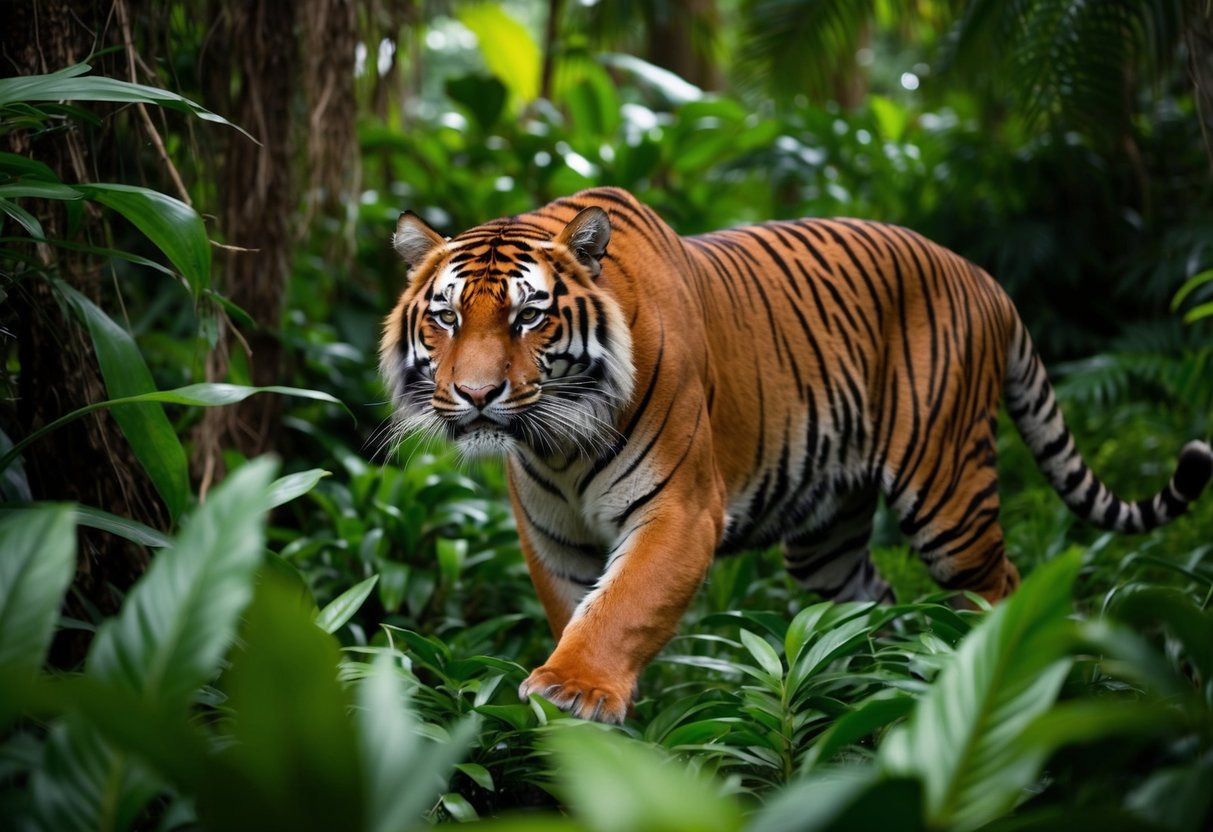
(202, 395)
(890, 116)
(763, 653)
(145, 426)
(962, 739)
(1190, 285)
(24, 218)
(483, 97)
(1196, 313)
(451, 556)
(84, 784)
(508, 49)
(478, 774)
(180, 618)
(616, 784)
(39, 190)
(37, 561)
(289, 756)
(843, 800)
(458, 807)
(869, 716)
(1144, 607)
(342, 608)
(173, 226)
(100, 251)
(68, 85)
(124, 527)
(17, 166)
(294, 485)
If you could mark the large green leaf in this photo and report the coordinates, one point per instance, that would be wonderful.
(173, 226)
(37, 561)
(180, 618)
(962, 740)
(404, 770)
(290, 757)
(84, 784)
(615, 784)
(145, 426)
(508, 49)
(68, 85)
(842, 800)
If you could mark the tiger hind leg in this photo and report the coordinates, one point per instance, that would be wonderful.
(949, 513)
(833, 558)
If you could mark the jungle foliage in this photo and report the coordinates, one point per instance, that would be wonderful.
(333, 637)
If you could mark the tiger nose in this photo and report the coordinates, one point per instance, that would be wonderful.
(479, 396)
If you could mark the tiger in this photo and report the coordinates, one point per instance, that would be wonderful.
(664, 400)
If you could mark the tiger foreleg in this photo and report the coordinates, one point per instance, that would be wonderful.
(632, 611)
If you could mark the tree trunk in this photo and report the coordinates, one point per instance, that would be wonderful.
(88, 461)
(257, 52)
(681, 39)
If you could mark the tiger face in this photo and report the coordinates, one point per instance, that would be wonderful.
(504, 338)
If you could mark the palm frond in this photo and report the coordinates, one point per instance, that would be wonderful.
(1067, 62)
(792, 47)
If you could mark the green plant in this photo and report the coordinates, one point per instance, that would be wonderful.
(276, 742)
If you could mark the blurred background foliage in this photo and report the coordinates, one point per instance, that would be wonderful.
(1063, 145)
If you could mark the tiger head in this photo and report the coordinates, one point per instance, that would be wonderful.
(505, 336)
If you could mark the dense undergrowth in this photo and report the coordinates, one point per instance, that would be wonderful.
(336, 639)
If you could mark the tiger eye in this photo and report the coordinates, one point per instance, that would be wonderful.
(447, 316)
(529, 315)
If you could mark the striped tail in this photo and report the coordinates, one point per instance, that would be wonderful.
(1033, 405)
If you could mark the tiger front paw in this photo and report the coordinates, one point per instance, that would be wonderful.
(583, 694)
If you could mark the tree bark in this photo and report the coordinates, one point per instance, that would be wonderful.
(88, 461)
(681, 34)
(258, 53)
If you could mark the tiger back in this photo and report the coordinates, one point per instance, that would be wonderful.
(662, 400)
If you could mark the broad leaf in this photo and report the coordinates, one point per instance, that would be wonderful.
(37, 561)
(289, 758)
(342, 608)
(84, 784)
(180, 618)
(616, 784)
(294, 485)
(173, 226)
(509, 51)
(124, 527)
(962, 741)
(404, 770)
(843, 800)
(68, 85)
(145, 426)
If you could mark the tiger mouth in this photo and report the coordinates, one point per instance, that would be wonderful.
(481, 424)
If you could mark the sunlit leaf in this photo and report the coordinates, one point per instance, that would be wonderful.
(961, 740)
(616, 784)
(178, 621)
(508, 49)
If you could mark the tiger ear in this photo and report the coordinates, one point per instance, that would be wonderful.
(587, 235)
(414, 238)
